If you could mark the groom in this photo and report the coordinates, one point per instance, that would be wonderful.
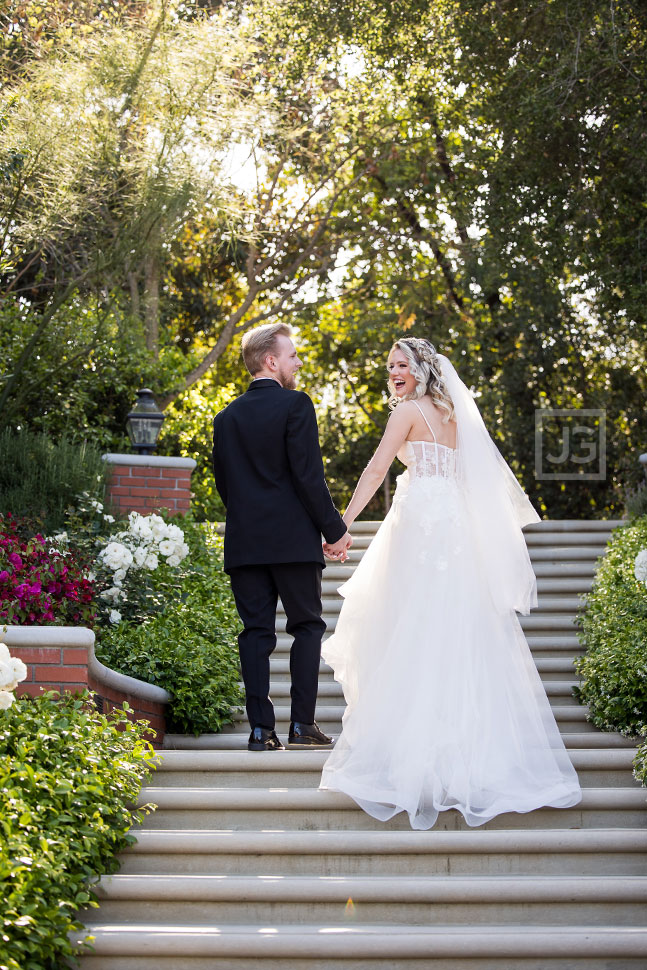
(269, 474)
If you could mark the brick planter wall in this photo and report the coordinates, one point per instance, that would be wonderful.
(62, 658)
(148, 483)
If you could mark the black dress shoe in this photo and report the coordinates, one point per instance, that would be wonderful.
(307, 735)
(261, 739)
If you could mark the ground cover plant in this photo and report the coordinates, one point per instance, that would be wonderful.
(67, 777)
(613, 670)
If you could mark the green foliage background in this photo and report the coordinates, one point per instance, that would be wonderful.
(68, 776)
(477, 173)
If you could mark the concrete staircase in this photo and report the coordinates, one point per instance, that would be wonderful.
(245, 864)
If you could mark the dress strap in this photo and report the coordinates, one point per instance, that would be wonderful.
(425, 420)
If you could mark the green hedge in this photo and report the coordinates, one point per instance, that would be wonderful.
(41, 478)
(67, 775)
(190, 647)
(613, 670)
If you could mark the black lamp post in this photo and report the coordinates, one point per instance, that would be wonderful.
(144, 422)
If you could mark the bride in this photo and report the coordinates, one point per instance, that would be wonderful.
(445, 708)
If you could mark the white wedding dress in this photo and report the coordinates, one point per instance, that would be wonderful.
(445, 708)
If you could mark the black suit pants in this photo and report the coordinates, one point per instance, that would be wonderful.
(256, 590)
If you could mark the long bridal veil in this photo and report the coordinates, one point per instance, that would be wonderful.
(497, 505)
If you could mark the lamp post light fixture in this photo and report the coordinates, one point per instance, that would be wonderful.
(144, 423)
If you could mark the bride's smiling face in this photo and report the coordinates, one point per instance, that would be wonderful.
(400, 377)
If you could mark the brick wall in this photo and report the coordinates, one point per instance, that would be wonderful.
(62, 658)
(148, 483)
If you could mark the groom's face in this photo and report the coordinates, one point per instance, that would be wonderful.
(287, 362)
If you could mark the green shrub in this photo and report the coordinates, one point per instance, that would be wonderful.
(614, 632)
(640, 761)
(636, 502)
(189, 649)
(67, 774)
(40, 478)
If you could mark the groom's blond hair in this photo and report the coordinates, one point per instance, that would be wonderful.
(260, 342)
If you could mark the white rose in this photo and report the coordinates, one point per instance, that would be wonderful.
(141, 553)
(174, 560)
(5, 656)
(117, 556)
(7, 677)
(109, 518)
(640, 565)
(60, 537)
(167, 548)
(152, 562)
(6, 700)
(118, 576)
(19, 668)
(175, 533)
(96, 505)
(111, 595)
(183, 550)
(115, 616)
(91, 576)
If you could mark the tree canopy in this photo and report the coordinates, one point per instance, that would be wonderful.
(470, 172)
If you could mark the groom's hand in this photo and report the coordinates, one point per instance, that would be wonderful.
(338, 550)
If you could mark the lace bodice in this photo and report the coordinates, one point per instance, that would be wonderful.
(427, 458)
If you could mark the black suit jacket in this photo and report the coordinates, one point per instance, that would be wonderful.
(269, 473)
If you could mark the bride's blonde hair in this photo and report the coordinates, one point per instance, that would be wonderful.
(425, 367)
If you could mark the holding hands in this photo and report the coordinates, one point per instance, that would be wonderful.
(338, 550)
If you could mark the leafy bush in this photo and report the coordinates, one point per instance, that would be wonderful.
(40, 478)
(640, 761)
(614, 625)
(190, 648)
(40, 583)
(636, 502)
(67, 775)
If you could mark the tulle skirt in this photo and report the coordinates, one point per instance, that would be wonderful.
(445, 708)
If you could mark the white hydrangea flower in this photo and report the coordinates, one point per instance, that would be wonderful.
(6, 700)
(115, 616)
(152, 562)
(640, 566)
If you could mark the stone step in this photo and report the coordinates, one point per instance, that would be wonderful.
(329, 853)
(296, 768)
(541, 641)
(337, 573)
(203, 898)
(353, 944)
(329, 717)
(538, 553)
(311, 809)
(330, 691)
(552, 622)
(237, 741)
(550, 668)
(546, 586)
(554, 605)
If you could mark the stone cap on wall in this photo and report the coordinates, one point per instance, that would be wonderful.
(152, 461)
(70, 636)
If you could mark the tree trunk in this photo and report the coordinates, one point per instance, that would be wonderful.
(151, 301)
